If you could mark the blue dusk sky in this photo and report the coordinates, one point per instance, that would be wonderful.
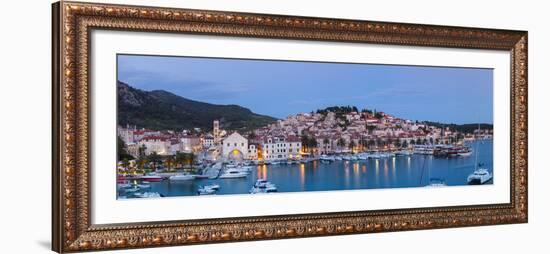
(283, 88)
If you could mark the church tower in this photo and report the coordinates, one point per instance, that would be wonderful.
(216, 132)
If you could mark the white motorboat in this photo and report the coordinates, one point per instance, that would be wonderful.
(182, 177)
(144, 186)
(132, 189)
(325, 158)
(233, 173)
(436, 182)
(403, 153)
(424, 149)
(213, 186)
(464, 152)
(263, 186)
(147, 195)
(206, 191)
(373, 156)
(124, 185)
(480, 176)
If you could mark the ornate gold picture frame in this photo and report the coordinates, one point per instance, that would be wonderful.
(72, 229)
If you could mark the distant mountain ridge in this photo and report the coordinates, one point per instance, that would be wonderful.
(162, 110)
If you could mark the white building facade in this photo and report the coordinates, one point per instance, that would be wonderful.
(279, 148)
(235, 147)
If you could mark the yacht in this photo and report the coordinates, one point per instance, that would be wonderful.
(182, 177)
(480, 176)
(233, 173)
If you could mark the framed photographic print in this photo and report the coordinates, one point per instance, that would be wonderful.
(178, 126)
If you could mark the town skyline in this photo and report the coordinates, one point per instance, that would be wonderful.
(351, 106)
(307, 92)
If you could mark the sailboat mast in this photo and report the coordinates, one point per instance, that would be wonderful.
(477, 144)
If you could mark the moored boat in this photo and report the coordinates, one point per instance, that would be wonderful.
(233, 173)
(147, 195)
(403, 153)
(182, 177)
(480, 176)
(151, 178)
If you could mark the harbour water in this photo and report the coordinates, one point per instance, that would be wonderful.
(392, 172)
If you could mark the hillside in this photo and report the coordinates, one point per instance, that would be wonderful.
(162, 110)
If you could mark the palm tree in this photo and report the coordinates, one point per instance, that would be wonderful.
(190, 158)
(180, 159)
(125, 164)
(169, 162)
(155, 159)
(141, 162)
